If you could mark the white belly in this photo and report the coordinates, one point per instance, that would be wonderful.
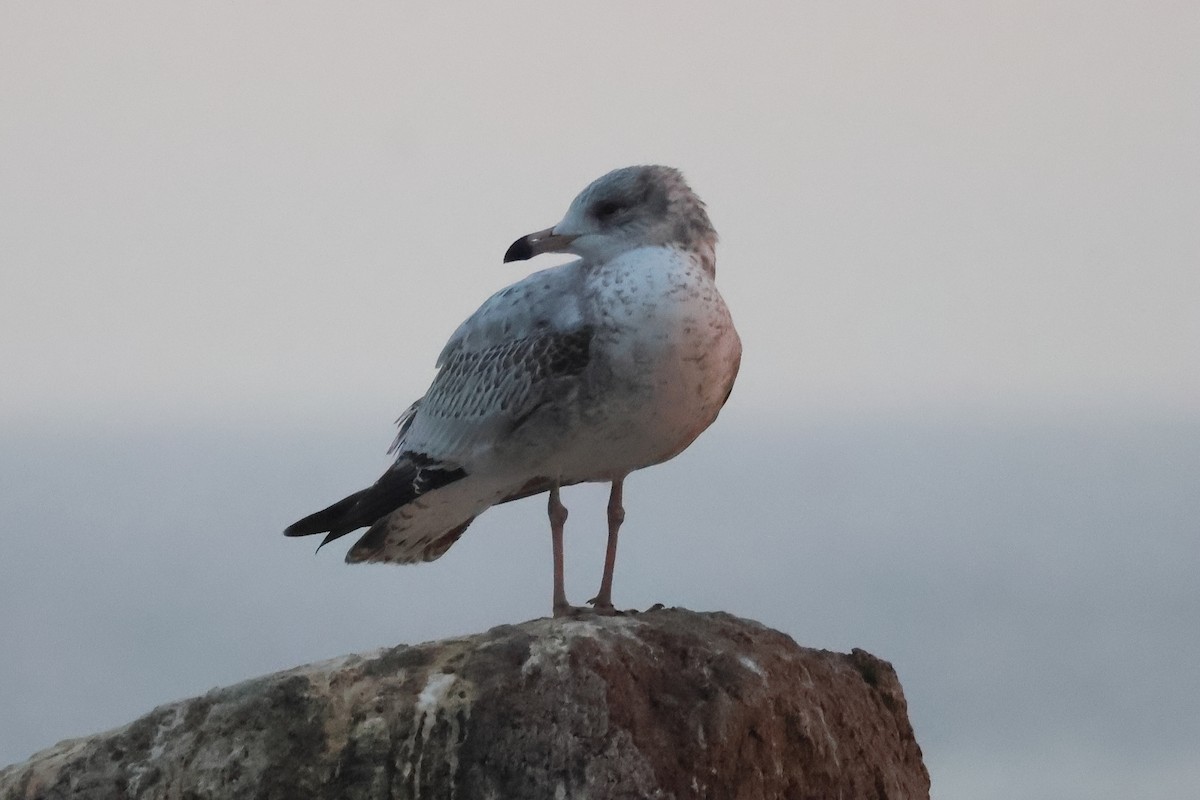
(664, 360)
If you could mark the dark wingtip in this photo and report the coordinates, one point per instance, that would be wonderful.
(335, 534)
(327, 519)
(520, 250)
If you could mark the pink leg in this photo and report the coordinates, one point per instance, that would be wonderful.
(616, 515)
(558, 518)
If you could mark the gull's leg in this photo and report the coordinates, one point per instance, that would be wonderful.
(558, 518)
(616, 515)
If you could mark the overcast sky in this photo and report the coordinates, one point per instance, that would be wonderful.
(961, 246)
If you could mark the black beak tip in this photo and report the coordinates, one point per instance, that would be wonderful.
(520, 250)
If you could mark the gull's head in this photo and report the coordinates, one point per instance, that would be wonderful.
(628, 208)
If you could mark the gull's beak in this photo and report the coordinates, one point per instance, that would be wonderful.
(535, 244)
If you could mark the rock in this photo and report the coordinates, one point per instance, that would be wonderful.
(665, 704)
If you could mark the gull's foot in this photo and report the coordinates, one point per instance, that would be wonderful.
(604, 609)
(568, 611)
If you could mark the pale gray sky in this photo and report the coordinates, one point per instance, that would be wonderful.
(960, 243)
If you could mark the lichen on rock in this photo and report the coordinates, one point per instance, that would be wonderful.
(665, 704)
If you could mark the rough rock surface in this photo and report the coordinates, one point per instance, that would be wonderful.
(665, 704)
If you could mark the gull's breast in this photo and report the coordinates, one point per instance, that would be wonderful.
(664, 358)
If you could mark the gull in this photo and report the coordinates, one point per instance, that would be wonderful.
(584, 372)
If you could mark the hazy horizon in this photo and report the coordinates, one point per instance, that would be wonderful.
(1023, 580)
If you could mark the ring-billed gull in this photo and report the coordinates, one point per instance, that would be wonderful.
(582, 372)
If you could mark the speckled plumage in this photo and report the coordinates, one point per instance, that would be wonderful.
(582, 372)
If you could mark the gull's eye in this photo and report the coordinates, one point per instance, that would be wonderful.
(607, 209)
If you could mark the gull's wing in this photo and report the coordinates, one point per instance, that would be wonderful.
(524, 347)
